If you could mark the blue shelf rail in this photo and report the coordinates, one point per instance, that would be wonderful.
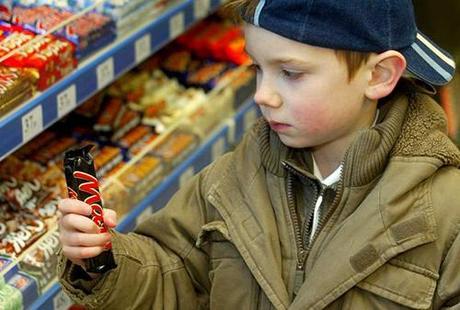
(34, 116)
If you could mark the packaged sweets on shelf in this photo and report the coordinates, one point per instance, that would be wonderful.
(176, 148)
(88, 33)
(16, 86)
(23, 231)
(8, 266)
(50, 57)
(26, 285)
(6, 6)
(142, 176)
(115, 194)
(41, 263)
(10, 297)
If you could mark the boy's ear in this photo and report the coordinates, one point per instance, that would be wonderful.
(386, 70)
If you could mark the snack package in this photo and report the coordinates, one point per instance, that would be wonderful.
(22, 232)
(83, 185)
(10, 298)
(41, 263)
(6, 263)
(176, 148)
(5, 9)
(142, 176)
(27, 285)
(16, 86)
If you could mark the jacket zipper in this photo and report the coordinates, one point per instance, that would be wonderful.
(302, 252)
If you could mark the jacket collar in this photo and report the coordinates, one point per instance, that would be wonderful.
(403, 119)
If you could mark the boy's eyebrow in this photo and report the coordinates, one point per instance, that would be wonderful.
(289, 61)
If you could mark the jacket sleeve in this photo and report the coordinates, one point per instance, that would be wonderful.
(449, 282)
(159, 266)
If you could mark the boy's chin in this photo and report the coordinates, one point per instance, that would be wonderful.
(293, 142)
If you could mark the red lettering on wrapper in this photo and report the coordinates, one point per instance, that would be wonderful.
(91, 187)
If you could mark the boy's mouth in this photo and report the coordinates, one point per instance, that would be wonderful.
(278, 127)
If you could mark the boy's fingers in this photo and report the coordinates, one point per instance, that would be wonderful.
(82, 239)
(67, 206)
(80, 223)
(76, 253)
(110, 218)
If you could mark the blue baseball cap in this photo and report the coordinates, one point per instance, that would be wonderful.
(358, 25)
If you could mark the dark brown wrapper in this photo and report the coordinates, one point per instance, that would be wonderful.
(83, 185)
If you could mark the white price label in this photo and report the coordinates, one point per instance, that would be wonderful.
(105, 73)
(201, 8)
(66, 101)
(218, 148)
(32, 123)
(231, 131)
(61, 301)
(144, 215)
(186, 175)
(176, 25)
(143, 48)
(249, 118)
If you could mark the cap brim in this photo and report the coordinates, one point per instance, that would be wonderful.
(429, 62)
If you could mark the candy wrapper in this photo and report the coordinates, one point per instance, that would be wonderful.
(27, 285)
(5, 9)
(42, 261)
(10, 298)
(83, 185)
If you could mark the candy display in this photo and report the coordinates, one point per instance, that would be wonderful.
(142, 176)
(10, 297)
(141, 127)
(176, 148)
(26, 285)
(51, 58)
(88, 33)
(82, 184)
(16, 86)
(41, 262)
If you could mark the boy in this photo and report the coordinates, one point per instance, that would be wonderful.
(344, 197)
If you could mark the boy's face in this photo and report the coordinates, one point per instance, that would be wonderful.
(304, 92)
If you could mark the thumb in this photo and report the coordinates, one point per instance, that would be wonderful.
(110, 218)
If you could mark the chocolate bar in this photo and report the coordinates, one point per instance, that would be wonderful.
(83, 185)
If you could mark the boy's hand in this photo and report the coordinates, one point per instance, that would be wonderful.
(79, 235)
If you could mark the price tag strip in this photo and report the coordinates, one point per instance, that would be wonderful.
(143, 48)
(176, 25)
(66, 101)
(105, 73)
(201, 8)
(32, 123)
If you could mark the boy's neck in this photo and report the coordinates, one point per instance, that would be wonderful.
(328, 157)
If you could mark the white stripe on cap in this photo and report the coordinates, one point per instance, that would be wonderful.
(259, 8)
(435, 50)
(446, 75)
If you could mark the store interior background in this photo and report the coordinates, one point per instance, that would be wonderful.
(439, 20)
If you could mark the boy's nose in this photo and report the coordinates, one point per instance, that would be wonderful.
(266, 96)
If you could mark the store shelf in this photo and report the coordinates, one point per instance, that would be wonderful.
(31, 118)
(218, 143)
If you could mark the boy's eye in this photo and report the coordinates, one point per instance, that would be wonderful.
(292, 75)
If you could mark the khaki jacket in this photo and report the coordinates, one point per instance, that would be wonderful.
(226, 240)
